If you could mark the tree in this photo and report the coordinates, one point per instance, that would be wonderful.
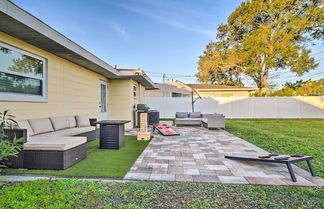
(301, 88)
(214, 72)
(265, 35)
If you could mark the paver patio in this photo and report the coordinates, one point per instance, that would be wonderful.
(197, 155)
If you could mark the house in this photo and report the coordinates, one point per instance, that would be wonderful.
(179, 89)
(211, 90)
(169, 89)
(43, 73)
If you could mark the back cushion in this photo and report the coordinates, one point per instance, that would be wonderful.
(72, 121)
(195, 115)
(40, 126)
(60, 123)
(25, 125)
(82, 120)
(182, 115)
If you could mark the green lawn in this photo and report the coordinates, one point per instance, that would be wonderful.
(99, 162)
(285, 136)
(82, 194)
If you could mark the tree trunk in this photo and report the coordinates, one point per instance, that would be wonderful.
(265, 83)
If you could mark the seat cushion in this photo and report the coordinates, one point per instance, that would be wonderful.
(54, 143)
(195, 115)
(24, 124)
(40, 126)
(60, 123)
(65, 132)
(205, 120)
(195, 119)
(82, 121)
(182, 115)
(72, 121)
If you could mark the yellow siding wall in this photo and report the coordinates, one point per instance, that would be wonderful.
(121, 100)
(72, 89)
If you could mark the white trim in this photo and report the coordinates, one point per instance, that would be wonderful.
(9, 96)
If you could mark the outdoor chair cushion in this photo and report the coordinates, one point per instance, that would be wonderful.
(194, 119)
(64, 132)
(182, 115)
(60, 123)
(24, 124)
(40, 126)
(54, 143)
(82, 121)
(72, 121)
(195, 115)
(205, 120)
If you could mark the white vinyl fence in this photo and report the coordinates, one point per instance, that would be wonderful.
(243, 107)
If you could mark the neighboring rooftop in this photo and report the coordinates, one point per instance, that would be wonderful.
(18, 23)
(220, 87)
(173, 87)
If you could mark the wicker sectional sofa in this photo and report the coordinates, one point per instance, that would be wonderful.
(55, 143)
(210, 121)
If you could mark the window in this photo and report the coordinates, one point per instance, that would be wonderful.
(23, 76)
(135, 91)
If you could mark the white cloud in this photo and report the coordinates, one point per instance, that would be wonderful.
(165, 20)
(119, 29)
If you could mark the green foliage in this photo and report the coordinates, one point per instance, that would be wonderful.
(99, 162)
(262, 36)
(299, 88)
(7, 119)
(286, 136)
(8, 148)
(81, 194)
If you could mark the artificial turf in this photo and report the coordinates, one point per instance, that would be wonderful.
(284, 136)
(99, 162)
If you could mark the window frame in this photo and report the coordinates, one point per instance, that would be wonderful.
(135, 91)
(19, 97)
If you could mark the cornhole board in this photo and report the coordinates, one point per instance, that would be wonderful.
(288, 162)
(165, 130)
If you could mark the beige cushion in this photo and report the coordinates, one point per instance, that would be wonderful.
(60, 123)
(82, 120)
(25, 125)
(195, 119)
(40, 126)
(65, 132)
(54, 143)
(72, 121)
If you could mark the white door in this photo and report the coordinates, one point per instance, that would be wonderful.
(103, 101)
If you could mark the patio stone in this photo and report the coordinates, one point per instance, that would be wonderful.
(205, 178)
(198, 155)
(265, 181)
(183, 177)
(162, 177)
(233, 180)
(133, 176)
(191, 171)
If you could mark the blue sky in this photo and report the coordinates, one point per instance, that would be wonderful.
(161, 36)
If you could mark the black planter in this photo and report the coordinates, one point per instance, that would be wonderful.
(15, 161)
